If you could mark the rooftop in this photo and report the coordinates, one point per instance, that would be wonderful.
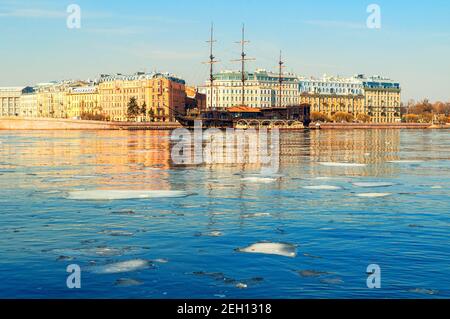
(243, 109)
(139, 76)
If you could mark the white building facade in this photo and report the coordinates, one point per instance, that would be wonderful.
(261, 90)
(332, 85)
(10, 100)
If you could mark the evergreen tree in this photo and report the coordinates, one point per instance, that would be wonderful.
(133, 109)
(144, 110)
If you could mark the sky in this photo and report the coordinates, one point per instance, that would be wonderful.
(318, 37)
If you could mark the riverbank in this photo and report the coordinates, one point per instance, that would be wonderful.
(69, 124)
(340, 126)
(15, 123)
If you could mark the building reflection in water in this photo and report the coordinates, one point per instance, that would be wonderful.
(374, 147)
(142, 159)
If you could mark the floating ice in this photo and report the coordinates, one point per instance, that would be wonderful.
(254, 215)
(116, 233)
(213, 233)
(254, 179)
(406, 162)
(108, 251)
(241, 285)
(124, 194)
(332, 281)
(218, 276)
(161, 261)
(312, 273)
(424, 291)
(336, 164)
(127, 282)
(372, 184)
(373, 195)
(122, 267)
(325, 178)
(323, 187)
(101, 251)
(281, 249)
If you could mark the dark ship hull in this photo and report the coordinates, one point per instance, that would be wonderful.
(293, 117)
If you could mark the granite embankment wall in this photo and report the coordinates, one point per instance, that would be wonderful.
(67, 124)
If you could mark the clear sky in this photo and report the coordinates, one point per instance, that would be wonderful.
(317, 37)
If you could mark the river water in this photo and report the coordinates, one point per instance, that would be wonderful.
(320, 203)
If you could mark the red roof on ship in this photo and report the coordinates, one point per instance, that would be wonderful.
(243, 109)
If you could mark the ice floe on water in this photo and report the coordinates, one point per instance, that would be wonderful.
(423, 291)
(257, 179)
(160, 261)
(373, 195)
(127, 282)
(255, 215)
(341, 164)
(214, 233)
(372, 184)
(406, 162)
(65, 254)
(323, 187)
(116, 233)
(312, 273)
(281, 249)
(332, 281)
(220, 277)
(325, 178)
(122, 267)
(125, 194)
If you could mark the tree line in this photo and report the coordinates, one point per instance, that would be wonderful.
(426, 112)
(134, 110)
(413, 112)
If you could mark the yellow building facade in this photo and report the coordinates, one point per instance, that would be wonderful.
(28, 104)
(330, 104)
(383, 104)
(52, 98)
(83, 100)
(163, 96)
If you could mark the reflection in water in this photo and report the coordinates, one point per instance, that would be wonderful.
(333, 214)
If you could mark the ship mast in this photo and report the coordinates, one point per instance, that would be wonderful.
(280, 81)
(211, 62)
(243, 59)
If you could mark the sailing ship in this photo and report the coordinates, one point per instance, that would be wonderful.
(242, 116)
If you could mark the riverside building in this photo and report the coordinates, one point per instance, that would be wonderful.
(10, 100)
(83, 100)
(261, 89)
(28, 103)
(330, 95)
(162, 94)
(382, 99)
(375, 96)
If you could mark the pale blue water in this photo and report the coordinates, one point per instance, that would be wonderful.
(406, 233)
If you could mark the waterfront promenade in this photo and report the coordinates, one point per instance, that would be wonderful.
(15, 123)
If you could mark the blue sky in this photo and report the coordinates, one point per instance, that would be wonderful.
(317, 37)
